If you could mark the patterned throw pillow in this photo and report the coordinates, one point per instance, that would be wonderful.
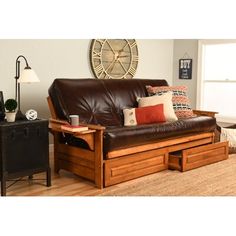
(180, 100)
(144, 115)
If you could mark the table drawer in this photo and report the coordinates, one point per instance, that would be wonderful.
(198, 156)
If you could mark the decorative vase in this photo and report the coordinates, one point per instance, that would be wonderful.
(11, 116)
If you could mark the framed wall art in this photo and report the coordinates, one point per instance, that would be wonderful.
(114, 58)
(185, 68)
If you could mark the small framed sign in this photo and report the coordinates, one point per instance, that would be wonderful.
(185, 68)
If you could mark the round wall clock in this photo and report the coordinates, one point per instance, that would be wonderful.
(114, 58)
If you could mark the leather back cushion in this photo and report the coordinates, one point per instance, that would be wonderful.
(98, 101)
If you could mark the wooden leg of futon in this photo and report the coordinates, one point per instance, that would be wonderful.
(56, 162)
(98, 158)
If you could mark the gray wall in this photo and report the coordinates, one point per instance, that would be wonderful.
(189, 46)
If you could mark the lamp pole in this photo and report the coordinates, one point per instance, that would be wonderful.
(19, 115)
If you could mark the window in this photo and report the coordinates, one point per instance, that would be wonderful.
(217, 79)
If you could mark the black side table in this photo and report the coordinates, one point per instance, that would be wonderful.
(23, 150)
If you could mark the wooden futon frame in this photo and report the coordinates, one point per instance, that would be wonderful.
(119, 165)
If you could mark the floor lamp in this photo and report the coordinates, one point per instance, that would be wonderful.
(27, 76)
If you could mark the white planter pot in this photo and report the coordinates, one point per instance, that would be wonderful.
(11, 116)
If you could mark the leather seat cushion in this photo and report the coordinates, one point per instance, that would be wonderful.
(122, 137)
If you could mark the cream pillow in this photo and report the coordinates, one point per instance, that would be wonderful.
(165, 99)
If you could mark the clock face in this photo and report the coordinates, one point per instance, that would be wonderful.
(114, 58)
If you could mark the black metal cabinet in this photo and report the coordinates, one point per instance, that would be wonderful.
(23, 150)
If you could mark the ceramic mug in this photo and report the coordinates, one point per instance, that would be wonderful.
(74, 120)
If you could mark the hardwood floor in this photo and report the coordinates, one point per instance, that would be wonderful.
(63, 184)
(212, 180)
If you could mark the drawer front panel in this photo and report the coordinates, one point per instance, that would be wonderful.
(204, 155)
(134, 166)
(198, 156)
(125, 169)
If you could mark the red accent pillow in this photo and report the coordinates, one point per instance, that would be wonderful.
(144, 115)
(150, 114)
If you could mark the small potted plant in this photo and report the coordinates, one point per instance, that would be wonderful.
(11, 105)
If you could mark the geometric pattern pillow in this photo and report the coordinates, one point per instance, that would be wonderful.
(181, 103)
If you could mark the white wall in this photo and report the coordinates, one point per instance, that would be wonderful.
(70, 59)
(189, 46)
(155, 59)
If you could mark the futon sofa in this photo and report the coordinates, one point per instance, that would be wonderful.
(112, 153)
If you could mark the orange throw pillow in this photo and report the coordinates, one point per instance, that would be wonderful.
(144, 115)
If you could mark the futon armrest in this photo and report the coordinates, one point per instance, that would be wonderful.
(96, 127)
(205, 113)
(55, 125)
